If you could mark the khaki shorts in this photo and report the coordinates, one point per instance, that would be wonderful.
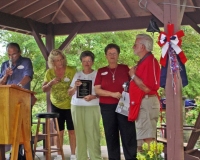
(146, 122)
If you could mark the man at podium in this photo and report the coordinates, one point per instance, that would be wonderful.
(17, 70)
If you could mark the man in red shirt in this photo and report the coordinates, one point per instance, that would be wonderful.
(143, 89)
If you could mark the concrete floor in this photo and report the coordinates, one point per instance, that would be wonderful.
(39, 155)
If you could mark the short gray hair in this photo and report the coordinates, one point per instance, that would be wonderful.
(53, 54)
(146, 40)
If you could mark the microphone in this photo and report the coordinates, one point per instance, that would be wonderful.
(10, 63)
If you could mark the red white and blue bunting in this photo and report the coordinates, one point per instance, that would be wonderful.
(171, 48)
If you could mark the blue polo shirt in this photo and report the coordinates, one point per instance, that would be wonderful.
(23, 68)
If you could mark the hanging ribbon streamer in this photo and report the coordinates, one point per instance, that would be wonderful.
(170, 45)
(168, 40)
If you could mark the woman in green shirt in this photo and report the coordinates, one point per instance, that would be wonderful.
(57, 81)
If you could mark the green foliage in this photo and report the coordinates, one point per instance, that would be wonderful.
(191, 48)
(96, 43)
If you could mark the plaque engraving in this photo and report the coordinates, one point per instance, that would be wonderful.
(84, 89)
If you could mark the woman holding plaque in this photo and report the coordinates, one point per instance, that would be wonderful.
(85, 110)
(57, 81)
(108, 86)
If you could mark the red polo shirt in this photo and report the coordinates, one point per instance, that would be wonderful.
(149, 72)
(105, 79)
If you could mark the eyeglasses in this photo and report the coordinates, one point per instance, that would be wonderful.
(89, 61)
(112, 54)
(136, 44)
(12, 55)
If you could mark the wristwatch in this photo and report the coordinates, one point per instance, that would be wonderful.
(133, 76)
(20, 85)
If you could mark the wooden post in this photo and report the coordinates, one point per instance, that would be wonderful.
(50, 45)
(174, 115)
(174, 118)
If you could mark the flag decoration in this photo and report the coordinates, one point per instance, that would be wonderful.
(171, 51)
(167, 41)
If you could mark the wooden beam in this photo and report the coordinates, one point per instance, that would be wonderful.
(11, 22)
(4, 4)
(153, 8)
(173, 90)
(127, 8)
(20, 5)
(192, 23)
(105, 9)
(44, 12)
(195, 2)
(36, 7)
(17, 23)
(38, 39)
(105, 25)
(50, 44)
(84, 9)
(50, 38)
(182, 11)
(71, 36)
(67, 13)
(58, 10)
(194, 15)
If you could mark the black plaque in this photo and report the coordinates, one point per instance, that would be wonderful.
(84, 89)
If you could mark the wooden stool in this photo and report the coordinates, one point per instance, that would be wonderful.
(48, 150)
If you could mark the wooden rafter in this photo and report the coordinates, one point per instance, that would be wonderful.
(105, 25)
(44, 12)
(36, 7)
(68, 14)
(192, 23)
(6, 3)
(194, 2)
(58, 10)
(20, 6)
(182, 11)
(105, 9)
(73, 33)
(19, 23)
(154, 9)
(38, 39)
(84, 9)
(50, 37)
(127, 8)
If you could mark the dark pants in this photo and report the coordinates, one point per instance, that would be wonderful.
(115, 124)
(21, 154)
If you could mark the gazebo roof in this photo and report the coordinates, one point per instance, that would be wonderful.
(95, 15)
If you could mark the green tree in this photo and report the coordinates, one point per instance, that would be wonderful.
(191, 48)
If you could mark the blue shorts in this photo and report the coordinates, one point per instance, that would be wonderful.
(64, 116)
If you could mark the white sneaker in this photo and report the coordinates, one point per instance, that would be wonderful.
(58, 157)
(73, 157)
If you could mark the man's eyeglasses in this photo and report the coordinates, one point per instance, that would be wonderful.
(136, 44)
(12, 55)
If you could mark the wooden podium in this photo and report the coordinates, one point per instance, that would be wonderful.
(15, 120)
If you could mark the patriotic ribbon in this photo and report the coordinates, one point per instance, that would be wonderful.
(165, 40)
